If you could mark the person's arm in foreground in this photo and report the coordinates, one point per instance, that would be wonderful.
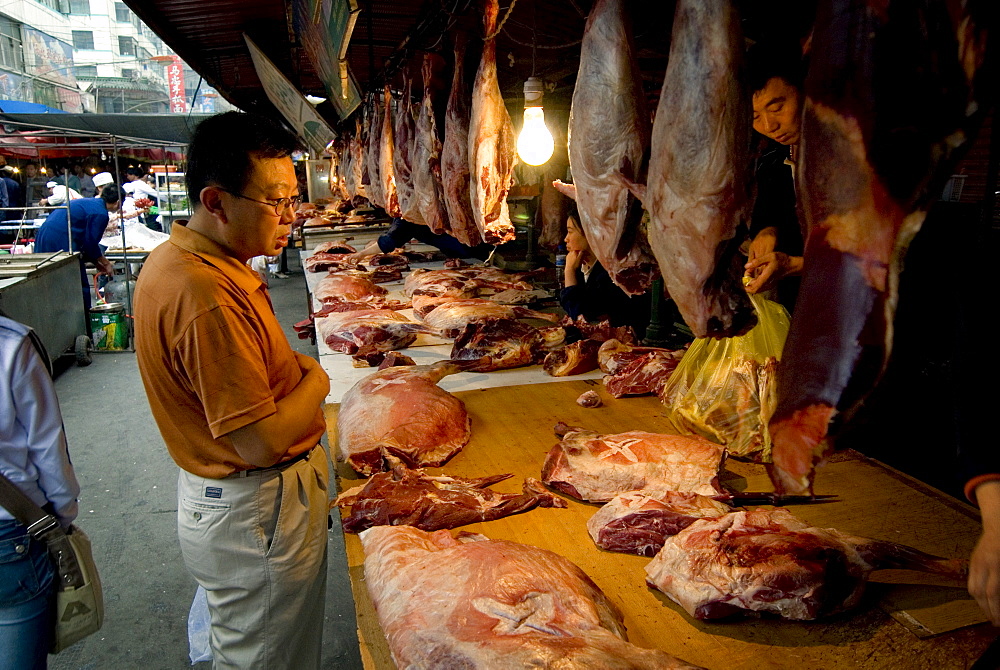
(264, 442)
(984, 571)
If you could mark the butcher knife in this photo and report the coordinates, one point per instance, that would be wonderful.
(739, 498)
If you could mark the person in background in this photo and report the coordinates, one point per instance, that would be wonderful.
(775, 254)
(137, 186)
(13, 189)
(239, 410)
(34, 456)
(4, 199)
(88, 189)
(589, 291)
(59, 195)
(102, 179)
(402, 231)
(88, 219)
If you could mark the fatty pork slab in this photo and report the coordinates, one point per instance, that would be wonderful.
(770, 561)
(403, 411)
(596, 468)
(478, 603)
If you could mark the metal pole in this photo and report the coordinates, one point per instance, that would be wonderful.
(128, 268)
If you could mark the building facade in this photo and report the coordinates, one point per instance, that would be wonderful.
(89, 56)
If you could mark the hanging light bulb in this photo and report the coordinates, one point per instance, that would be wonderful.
(534, 144)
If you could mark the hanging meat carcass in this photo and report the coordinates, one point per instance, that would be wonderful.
(358, 156)
(373, 133)
(427, 184)
(699, 170)
(455, 153)
(894, 93)
(405, 497)
(402, 411)
(404, 138)
(550, 219)
(492, 153)
(770, 561)
(480, 603)
(451, 316)
(608, 140)
(596, 468)
(639, 522)
(387, 177)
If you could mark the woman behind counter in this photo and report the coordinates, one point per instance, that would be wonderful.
(589, 291)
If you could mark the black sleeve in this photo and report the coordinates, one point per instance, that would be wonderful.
(598, 298)
(775, 203)
(400, 232)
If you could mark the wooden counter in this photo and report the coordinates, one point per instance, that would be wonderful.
(512, 432)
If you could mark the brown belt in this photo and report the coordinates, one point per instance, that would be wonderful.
(272, 468)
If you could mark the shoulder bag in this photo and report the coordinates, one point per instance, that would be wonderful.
(79, 598)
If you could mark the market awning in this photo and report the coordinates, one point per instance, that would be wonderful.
(168, 128)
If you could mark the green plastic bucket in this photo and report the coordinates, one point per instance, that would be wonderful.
(108, 327)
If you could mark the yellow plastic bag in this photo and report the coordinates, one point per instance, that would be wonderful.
(724, 389)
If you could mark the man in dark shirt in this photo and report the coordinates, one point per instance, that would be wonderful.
(776, 236)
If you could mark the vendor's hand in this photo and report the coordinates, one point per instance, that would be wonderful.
(984, 568)
(574, 260)
(105, 267)
(763, 243)
(769, 268)
(568, 190)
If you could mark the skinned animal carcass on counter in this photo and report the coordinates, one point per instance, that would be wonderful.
(492, 153)
(324, 262)
(475, 603)
(341, 287)
(636, 370)
(638, 522)
(405, 497)
(455, 153)
(699, 183)
(449, 317)
(593, 467)
(365, 331)
(609, 138)
(498, 344)
(573, 359)
(770, 561)
(402, 411)
(894, 94)
(468, 282)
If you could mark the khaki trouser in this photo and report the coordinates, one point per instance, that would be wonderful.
(258, 546)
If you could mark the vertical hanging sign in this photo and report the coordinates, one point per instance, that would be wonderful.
(175, 84)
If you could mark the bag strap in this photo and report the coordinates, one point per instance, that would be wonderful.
(23, 508)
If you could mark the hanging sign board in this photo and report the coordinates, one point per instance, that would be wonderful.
(325, 28)
(298, 111)
(175, 83)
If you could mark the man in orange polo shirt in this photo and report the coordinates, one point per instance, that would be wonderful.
(240, 412)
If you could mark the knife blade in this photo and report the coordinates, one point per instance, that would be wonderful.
(739, 498)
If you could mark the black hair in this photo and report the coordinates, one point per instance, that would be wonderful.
(767, 60)
(221, 149)
(134, 172)
(109, 194)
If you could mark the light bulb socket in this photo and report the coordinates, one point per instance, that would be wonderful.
(534, 90)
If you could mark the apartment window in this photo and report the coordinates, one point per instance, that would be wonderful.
(126, 46)
(79, 7)
(122, 13)
(86, 70)
(11, 51)
(83, 39)
(128, 73)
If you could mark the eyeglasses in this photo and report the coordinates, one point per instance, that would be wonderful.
(281, 205)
